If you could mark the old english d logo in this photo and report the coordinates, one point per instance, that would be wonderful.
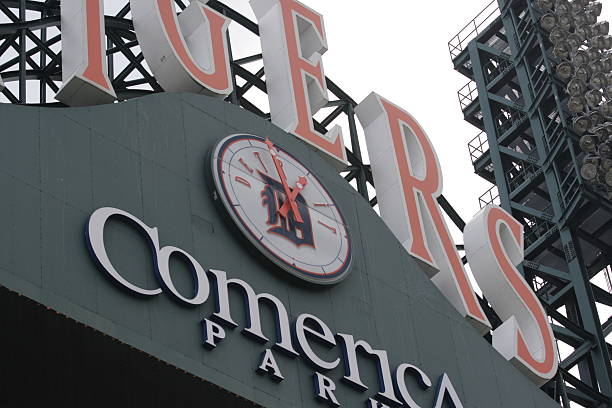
(282, 208)
(272, 197)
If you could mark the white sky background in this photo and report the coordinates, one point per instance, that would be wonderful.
(399, 50)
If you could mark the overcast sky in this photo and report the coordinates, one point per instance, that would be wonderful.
(399, 50)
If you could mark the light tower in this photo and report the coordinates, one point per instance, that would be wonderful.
(538, 92)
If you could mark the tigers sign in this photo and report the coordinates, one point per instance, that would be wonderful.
(189, 53)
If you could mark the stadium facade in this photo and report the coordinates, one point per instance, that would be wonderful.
(184, 249)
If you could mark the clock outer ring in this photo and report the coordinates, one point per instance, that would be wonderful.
(221, 193)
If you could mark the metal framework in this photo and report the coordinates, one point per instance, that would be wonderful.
(527, 148)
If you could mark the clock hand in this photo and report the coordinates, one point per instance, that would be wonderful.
(299, 187)
(283, 177)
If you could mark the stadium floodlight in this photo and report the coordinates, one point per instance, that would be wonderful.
(558, 34)
(581, 3)
(565, 21)
(595, 118)
(605, 109)
(565, 70)
(580, 57)
(600, 28)
(591, 158)
(563, 7)
(584, 30)
(607, 63)
(583, 73)
(593, 98)
(596, 67)
(575, 7)
(603, 42)
(599, 81)
(549, 21)
(605, 150)
(581, 124)
(594, 53)
(576, 87)
(545, 4)
(580, 19)
(588, 171)
(561, 50)
(574, 41)
(590, 168)
(591, 17)
(600, 132)
(576, 104)
(608, 178)
(588, 143)
(594, 8)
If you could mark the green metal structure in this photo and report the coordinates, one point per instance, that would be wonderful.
(530, 152)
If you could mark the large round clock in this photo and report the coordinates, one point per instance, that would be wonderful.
(282, 208)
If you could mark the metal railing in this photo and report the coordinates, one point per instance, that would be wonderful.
(553, 130)
(478, 146)
(495, 67)
(457, 44)
(507, 118)
(569, 187)
(520, 173)
(491, 196)
(607, 272)
(524, 27)
(539, 77)
(535, 229)
(467, 95)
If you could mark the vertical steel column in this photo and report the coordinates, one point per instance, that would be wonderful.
(43, 58)
(110, 59)
(362, 185)
(489, 124)
(22, 52)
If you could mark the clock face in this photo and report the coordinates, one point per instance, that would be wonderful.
(282, 208)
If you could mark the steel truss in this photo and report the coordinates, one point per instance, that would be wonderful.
(527, 149)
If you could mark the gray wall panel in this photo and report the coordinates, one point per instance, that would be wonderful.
(147, 157)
